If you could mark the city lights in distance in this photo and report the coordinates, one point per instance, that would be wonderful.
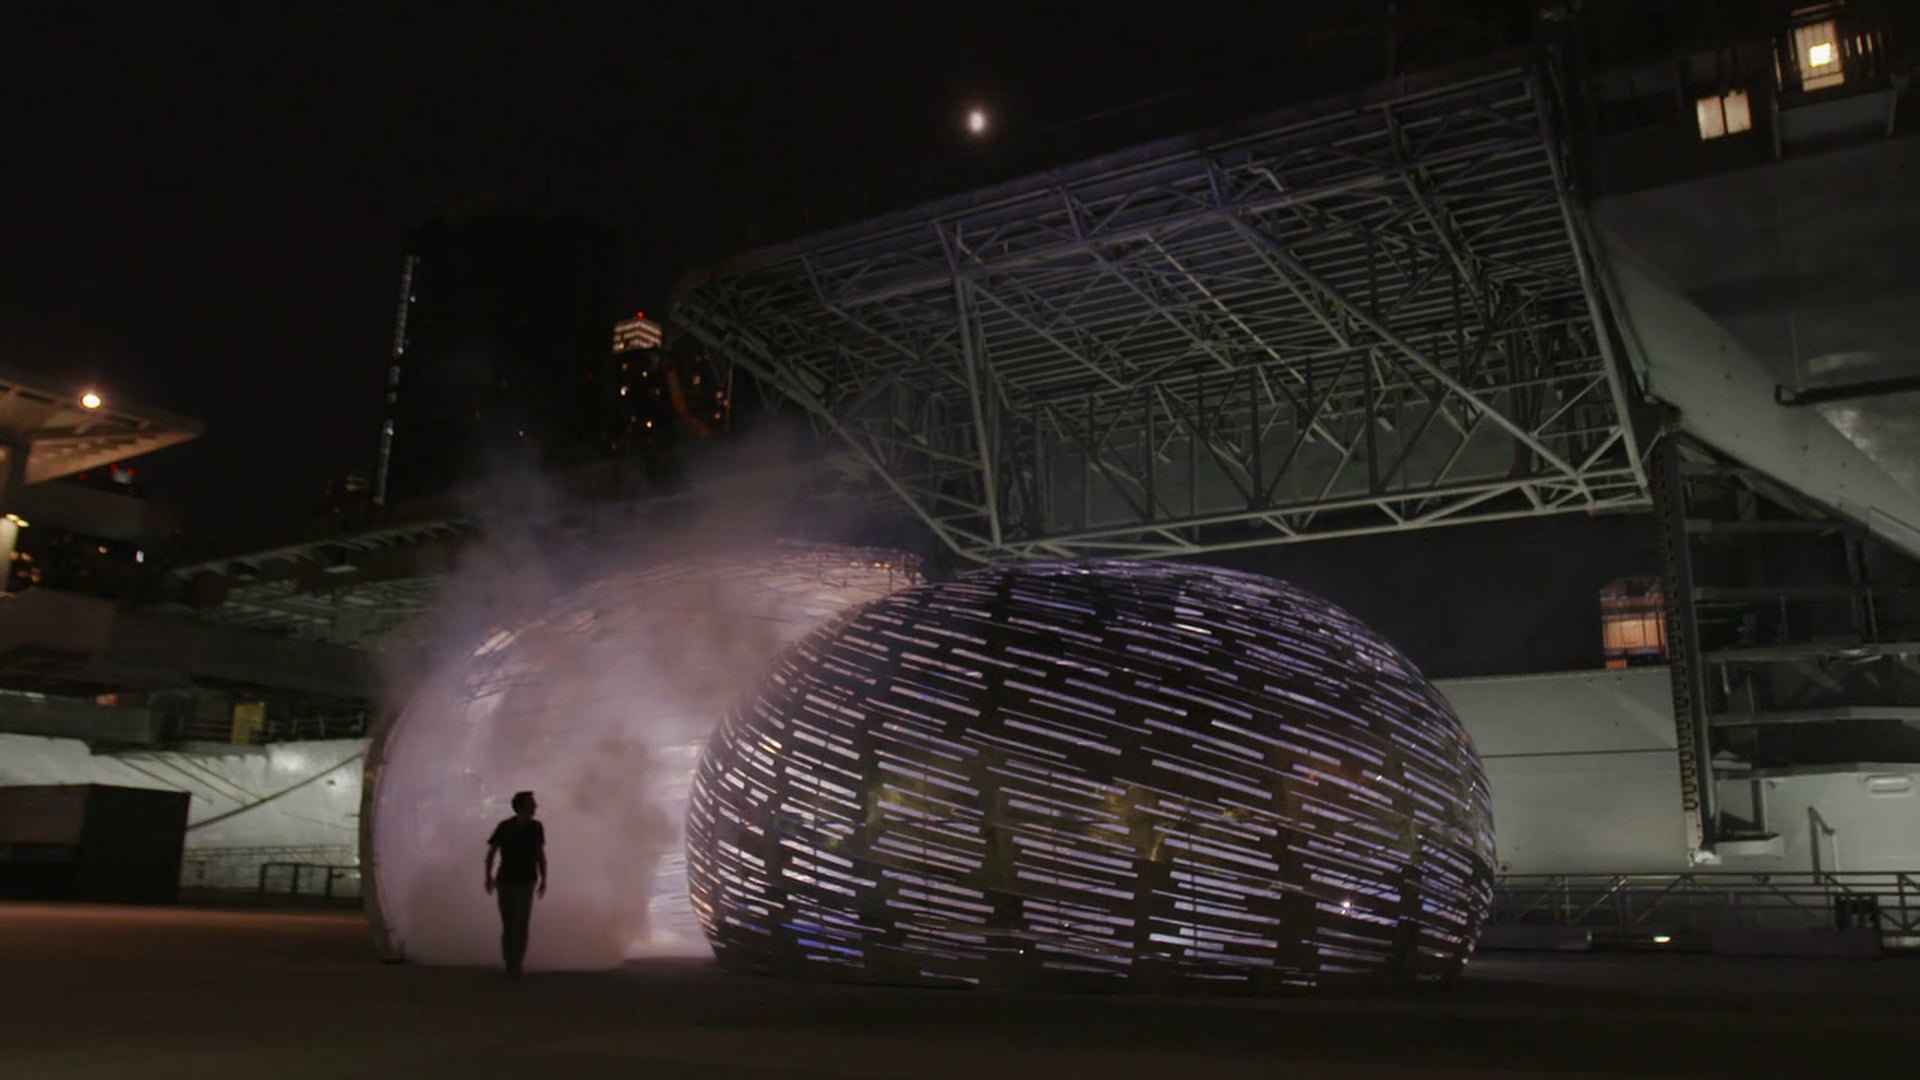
(976, 122)
(90, 400)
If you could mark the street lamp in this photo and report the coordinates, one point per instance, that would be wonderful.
(89, 400)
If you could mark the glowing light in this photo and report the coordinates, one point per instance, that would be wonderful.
(599, 699)
(1662, 939)
(17, 520)
(1034, 761)
(976, 122)
(1818, 46)
(90, 400)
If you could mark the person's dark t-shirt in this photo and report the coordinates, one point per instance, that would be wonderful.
(519, 843)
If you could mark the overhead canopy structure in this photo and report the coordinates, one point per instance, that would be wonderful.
(59, 435)
(346, 590)
(1371, 314)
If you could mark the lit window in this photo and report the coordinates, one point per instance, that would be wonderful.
(1817, 48)
(1723, 114)
(623, 391)
(1634, 633)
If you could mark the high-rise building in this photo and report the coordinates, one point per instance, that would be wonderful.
(660, 397)
(643, 417)
(499, 348)
(638, 334)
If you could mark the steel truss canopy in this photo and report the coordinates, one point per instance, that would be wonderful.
(346, 590)
(1363, 317)
(60, 436)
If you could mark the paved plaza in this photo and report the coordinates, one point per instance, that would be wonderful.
(176, 992)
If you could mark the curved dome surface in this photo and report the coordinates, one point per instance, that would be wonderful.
(1094, 774)
(599, 702)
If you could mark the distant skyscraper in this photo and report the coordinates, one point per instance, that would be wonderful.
(637, 334)
(499, 348)
(659, 396)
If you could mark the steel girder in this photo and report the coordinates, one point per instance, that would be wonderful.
(1372, 318)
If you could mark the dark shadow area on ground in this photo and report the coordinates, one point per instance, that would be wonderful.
(188, 992)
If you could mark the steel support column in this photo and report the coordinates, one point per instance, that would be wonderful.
(1692, 734)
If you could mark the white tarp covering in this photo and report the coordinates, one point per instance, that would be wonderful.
(289, 802)
(1582, 765)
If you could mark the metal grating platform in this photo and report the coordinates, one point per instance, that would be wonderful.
(1367, 316)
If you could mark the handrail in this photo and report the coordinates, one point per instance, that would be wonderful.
(1613, 889)
(240, 866)
(331, 874)
(1666, 906)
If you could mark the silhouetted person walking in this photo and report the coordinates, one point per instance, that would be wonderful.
(520, 845)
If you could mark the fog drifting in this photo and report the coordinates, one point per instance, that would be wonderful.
(591, 672)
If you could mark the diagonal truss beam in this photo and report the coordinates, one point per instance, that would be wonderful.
(1371, 318)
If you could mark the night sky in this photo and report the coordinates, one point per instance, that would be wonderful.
(206, 204)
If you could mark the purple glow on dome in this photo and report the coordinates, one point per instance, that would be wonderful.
(599, 699)
(1091, 774)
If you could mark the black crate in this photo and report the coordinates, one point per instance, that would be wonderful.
(92, 842)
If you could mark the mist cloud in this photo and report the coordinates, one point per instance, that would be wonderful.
(588, 663)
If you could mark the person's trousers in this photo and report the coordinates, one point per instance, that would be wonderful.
(516, 914)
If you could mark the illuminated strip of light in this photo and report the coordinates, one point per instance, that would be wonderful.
(1101, 763)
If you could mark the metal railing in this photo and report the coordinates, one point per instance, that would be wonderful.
(243, 868)
(298, 728)
(315, 880)
(1689, 908)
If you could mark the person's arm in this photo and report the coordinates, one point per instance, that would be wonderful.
(493, 852)
(541, 860)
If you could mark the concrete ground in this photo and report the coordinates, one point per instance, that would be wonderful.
(125, 992)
